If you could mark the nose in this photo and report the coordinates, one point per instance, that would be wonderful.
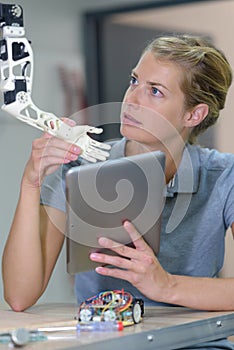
(134, 95)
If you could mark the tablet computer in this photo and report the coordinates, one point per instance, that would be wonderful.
(101, 196)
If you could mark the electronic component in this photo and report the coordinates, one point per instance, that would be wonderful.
(111, 306)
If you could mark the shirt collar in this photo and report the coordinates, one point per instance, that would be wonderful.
(118, 148)
(186, 180)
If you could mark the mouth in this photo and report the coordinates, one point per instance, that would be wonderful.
(130, 120)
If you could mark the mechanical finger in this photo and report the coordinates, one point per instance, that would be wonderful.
(88, 157)
(100, 144)
(97, 151)
(94, 130)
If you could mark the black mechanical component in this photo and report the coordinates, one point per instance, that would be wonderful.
(11, 15)
(10, 96)
(18, 50)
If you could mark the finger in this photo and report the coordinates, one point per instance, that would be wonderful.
(94, 130)
(97, 153)
(52, 147)
(101, 145)
(112, 260)
(59, 153)
(135, 236)
(68, 121)
(117, 273)
(50, 162)
(87, 157)
(120, 249)
(46, 135)
(42, 160)
(59, 143)
(93, 156)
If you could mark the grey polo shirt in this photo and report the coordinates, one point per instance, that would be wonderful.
(199, 208)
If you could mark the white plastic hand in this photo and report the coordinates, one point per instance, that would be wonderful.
(25, 110)
(92, 149)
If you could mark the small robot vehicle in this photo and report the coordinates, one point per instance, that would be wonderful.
(114, 306)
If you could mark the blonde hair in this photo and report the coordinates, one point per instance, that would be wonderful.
(207, 73)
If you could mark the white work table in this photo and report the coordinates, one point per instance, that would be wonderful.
(161, 328)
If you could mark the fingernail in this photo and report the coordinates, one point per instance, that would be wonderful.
(126, 223)
(93, 256)
(73, 156)
(71, 122)
(76, 149)
(102, 241)
(99, 269)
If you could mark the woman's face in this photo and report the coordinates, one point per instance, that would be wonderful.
(153, 107)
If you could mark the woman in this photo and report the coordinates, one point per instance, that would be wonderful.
(176, 91)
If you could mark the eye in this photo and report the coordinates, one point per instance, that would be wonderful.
(155, 91)
(133, 80)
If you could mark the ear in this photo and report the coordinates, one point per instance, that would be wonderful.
(197, 115)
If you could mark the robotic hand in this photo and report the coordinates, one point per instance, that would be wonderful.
(16, 74)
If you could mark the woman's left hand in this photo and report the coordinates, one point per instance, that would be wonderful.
(138, 265)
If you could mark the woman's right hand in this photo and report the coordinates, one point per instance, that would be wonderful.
(48, 153)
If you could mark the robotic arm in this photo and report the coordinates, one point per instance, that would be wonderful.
(16, 74)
